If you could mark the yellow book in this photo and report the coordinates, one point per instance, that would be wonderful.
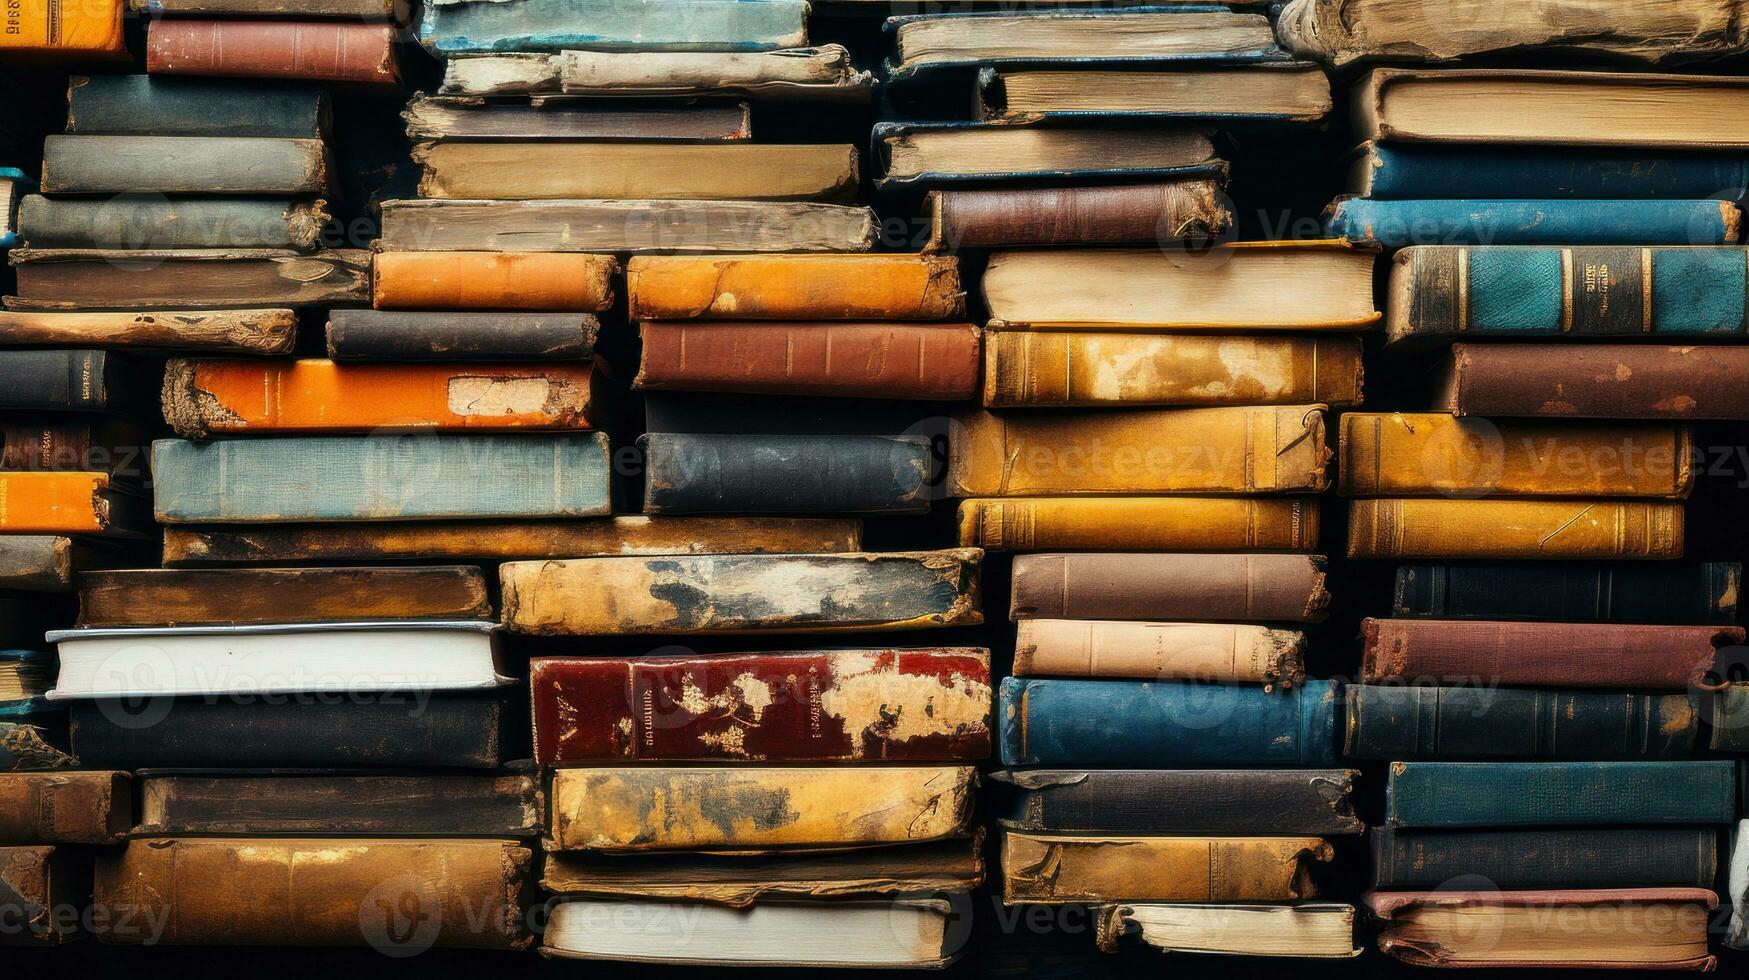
(1057, 868)
(1140, 523)
(1565, 529)
(61, 28)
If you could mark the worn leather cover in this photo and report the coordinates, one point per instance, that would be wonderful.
(59, 443)
(1702, 592)
(925, 361)
(317, 803)
(130, 221)
(420, 224)
(218, 331)
(795, 287)
(192, 596)
(1408, 723)
(1492, 529)
(823, 72)
(121, 279)
(1175, 523)
(60, 502)
(658, 171)
(41, 890)
(570, 281)
(1227, 652)
(391, 10)
(1530, 794)
(705, 594)
(158, 105)
(1596, 381)
(304, 50)
(1590, 857)
(78, 164)
(1191, 210)
(72, 380)
(879, 705)
(1263, 802)
(1397, 224)
(89, 807)
(1166, 586)
(785, 474)
(1059, 869)
(1728, 721)
(1611, 655)
(665, 808)
(384, 335)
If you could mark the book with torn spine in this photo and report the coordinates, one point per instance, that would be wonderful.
(1193, 209)
(38, 885)
(795, 287)
(84, 807)
(1058, 869)
(635, 226)
(930, 153)
(1248, 802)
(51, 562)
(792, 74)
(182, 279)
(72, 502)
(133, 221)
(458, 27)
(1107, 90)
(1303, 930)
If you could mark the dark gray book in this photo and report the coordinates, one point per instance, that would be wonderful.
(1620, 592)
(75, 164)
(398, 335)
(158, 105)
(1299, 802)
(153, 221)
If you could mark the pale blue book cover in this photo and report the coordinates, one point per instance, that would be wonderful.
(449, 27)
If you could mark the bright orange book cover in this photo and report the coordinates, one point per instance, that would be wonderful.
(62, 27)
(50, 502)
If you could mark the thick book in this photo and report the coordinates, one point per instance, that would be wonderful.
(737, 170)
(1174, 523)
(922, 361)
(1550, 794)
(43, 889)
(78, 164)
(154, 221)
(222, 397)
(380, 478)
(1396, 723)
(209, 331)
(1422, 171)
(1272, 91)
(53, 32)
(1583, 928)
(456, 27)
(418, 224)
(1595, 381)
(705, 808)
(1130, 724)
(460, 117)
(1244, 802)
(1302, 930)
(1396, 224)
(1590, 857)
(51, 562)
(1061, 369)
(61, 502)
(1701, 592)
(822, 73)
(1184, 450)
(881, 705)
(1564, 655)
(943, 154)
(703, 594)
(87, 807)
(154, 105)
(25, 676)
(754, 474)
(73, 380)
(330, 803)
(1494, 529)
(1192, 210)
(389, 10)
(398, 335)
(795, 287)
(67, 442)
(519, 280)
(182, 279)
(1232, 653)
(295, 891)
(1058, 869)
(197, 596)
(335, 52)
(1235, 587)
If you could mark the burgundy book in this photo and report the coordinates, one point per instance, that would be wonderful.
(322, 51)
(827, 705)
(1618, 655)
(1596, 381)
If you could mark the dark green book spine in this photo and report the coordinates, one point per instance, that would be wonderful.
(1630, 592)
(1393, 723)
(1613, 857)
(151, 105)
(1529, 794)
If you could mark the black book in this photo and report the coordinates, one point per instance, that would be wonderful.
(1393, 723)
(1299, 802)
(397, 335)
(778, 474)
(77, 381)
(1589, 857)
(1628, 592)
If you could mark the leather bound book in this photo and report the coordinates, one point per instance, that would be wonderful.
(223, 891)
(194, 596)
(1548, 794)
(69, 380)
(1245, 802)
(62, 443)
(131, 222)
(1590, 857)
(1433, 454)
(1228, 652)
(70, 503)
(325, 803)
(1139, 523)
(121, 279)
(1150, 585)
(1491, 529)
(1420, 171)
(795, 287)
(216, 331)
(39, 887)
(314, 51)
(1613, 655)
(426, 224)
(74, 164)
(387, 10)
(1058, 869)
(158, 105)
(535, 281)
(1596, 381)
(90, 807)
(740, 170)
(1729, 722)
(823, 72)
(924, 705)
(1408, 723)
(1185, 210)
(385, 335)
(41, 31)
(758, 474)
(924, 361)
(1616, 593)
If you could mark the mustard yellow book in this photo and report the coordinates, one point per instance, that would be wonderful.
(1139, 523)
(1554, 529)
(1058, 868)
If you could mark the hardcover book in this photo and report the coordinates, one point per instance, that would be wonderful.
(922, 361)
(126, 279)
(737, 170)
(1494, 529)
(25, 747)
(1399, 723)
(1239, 653)
(1591, 857)
(1272, 91)
(1192, 210)
(452, 27)
(624, 226)
(927, 154)
(1150, 585)
(301, 50)
(1247, 802)
(73, 380)
(195, 596)
(1315, 930)
(39, 885)
(1139, 523)
(156, 105)
(794, 74)
(50, 32)
(394, 335)
(1729, 718)
(795, 287)
(1058, 869)
(457, 117)
(62, 502)
(1703, 592)
(1548, 794)
(758, 474)
(141, 221)
(79, 164)
(1396, 224)
(87, 807)
(49, 563)
(532, 281)
(390, 10)
(85, 441)
(1595, 381)
(1609, 655)
(216, 331)
(1421, 171)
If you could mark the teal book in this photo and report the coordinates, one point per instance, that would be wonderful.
(168, 105)
(380, 478)
(1399, 224)
(1557, 794)
(450, 27)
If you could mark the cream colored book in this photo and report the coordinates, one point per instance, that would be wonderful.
(1306, 930)
(923, 42)
(1232, 652)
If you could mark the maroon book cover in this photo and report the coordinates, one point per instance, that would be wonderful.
(322, 51)
(928, 705)
(1542, 654)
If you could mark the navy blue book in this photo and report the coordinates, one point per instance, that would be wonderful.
(1416, 171)
(1398, 224)
(1554, 794)
(1093, 724)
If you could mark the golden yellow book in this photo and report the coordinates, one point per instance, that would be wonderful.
(1139, 523)
(794, 287)
(61, 29)
(1055, 868)
(1567, 529)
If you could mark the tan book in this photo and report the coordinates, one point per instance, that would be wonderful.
(1240, 653)
(1269, 90)
(423, 224)
(910, 153)
(1139, 523)
(1556, 529)
(1101, 34)
(235, 331)
(193, 596)
(752, 808)
(659, 171)
(824, 72)
(85, 807)
(1062, 869)
(1615, 928)
(1304, 930)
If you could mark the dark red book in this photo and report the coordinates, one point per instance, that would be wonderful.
(826, 705)
(1564, 655)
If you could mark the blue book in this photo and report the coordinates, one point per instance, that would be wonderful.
(1552, 794)
(1397, 224)
(380, 478)
(14, 187)
(1415, 171)
(471, 26)
(1099, 724)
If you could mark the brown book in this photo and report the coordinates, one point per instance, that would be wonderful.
(87, 807)
(794, 287)
(1238, 587)
(1061, 869)
(400, 897)
(493, 281)
(95, 443)
(316, 51)
(1613, 655)
(1139, 523)
(1188, 210)
(104, 279)
(656, 171)
(927, 361)
(43, 890)
(1570, 529)
(1239, 653)
(1277, 91)
(1596, 381)
(227, 331)
(186, 597)
(394, 10)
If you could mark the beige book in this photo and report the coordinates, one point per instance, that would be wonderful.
(1020, 150)
(1232, 652)
(1315, 930)
(1625, 928)
(1298, 92)
(621, 171)
(1101, 34)
(824, 72)
(1060, 868)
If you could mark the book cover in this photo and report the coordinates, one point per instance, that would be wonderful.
(1241, 653)
(61, 502)
(261, 331)
(397, 335)
(1420, 171)
(759, 474)
(200, 596)
(49, 563)
(795, 287)
(1060, 869)
(156, 105)
(153, 221)
(460, 117)
(452, 27)
(79, 164)
(533, 281)
(921, 361)
(948, 154)
(1591, 857)
(737, 170)
(1595, 381)
(72, 380)
(1164, 586)
(62, 443)
(1106, 91)
(1701, 592)
(1396, 224)
(183, 279)
(823, 73)
(1565, 655)
(1397, 723)
(302, 50)
(1192, 209)
(1302, 930)
(1549, 794)
(87, 807)
(327, 803)
(1139, 523)
(1493, 529)
(1244, 802)
(418, 224)
(38, 886)
(44, 31)
(389, 10)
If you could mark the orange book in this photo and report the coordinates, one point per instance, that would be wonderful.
(66, 502)
(204, 397)
(61, 28)
(794, 287)
(558, 281)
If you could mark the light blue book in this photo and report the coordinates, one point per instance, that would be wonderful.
(14, 185)
(474, 26)
(1397, 224)
(421, 477)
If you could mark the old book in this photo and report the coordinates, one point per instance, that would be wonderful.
(293, 891)
(941, 40)
(449, 27)
(384, 729)
(1274, 91)
(25, 676)
(43, 891)
(1590, 857)
(301, 50)
(157, 105)
(1127, 724)
(811, 806)
(1595, 929)
(78, 164)
(1227, 652)
(391, 10)
(90, 807)
(326, 803)
(749, 474)
(380, 477)
(884, 705)
(72, 380)
(217, 331)
(493, 281)
(1139, 523)
(208, 397)
(660, 171)
(1395, 224)
(1184, 450)
(1025, 369)
(625, 226)
(1737, 927)
(1595, 381)
(1248, 286)
(795, 287)
(1394, 722)
(1315, 930)
(1149, 585)
(70, 503)
(50, 562)
(1546, 794)
(824, 73)
(397, 335)
(925, 361)
(182, 279)
(1614, 655)
(1419, 171)
(1060, 869)
(1705, 592)
(919, 153)
(1261, 802)
(1728, 719)
(1192, 209)
(194, 596)
(1492, 529)
(1544, 108)
(26, 747)
(461, 117)
(701, 594)
(15, 185)
(50, 32)
(153, 221)
(83, 441)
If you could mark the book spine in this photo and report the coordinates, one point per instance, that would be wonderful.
(57, 503)
(81, 279)
(53, 380)
(1397, 224)
(1456, 723)
(1507, 794)
(1408, 171)
(556, 25)
(193, 596)
(147, 105)
(729, 474)
(64, 807)
(393, 10)
(46, 447)
(1566, 654)
(1139, 523)
(251, 331)
(159, 223)
(1186, 210)
(36, 884)
(1597, 381)
(1227, 652)
(1233, 802)
(36, 563)
(436, 117)
(381, 335)
(64, 30)
(1596, 857)
(536, 281)
(1050, 869)
(608, 73)
(812, 287)
(1490, 529)
(725, 171)
(184, 165)
(1729, 721)
(388, 805)
(1230, 587)
(853, 360)
(1703, 593)
(292, 50)
(417, 477)
(625, 226)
